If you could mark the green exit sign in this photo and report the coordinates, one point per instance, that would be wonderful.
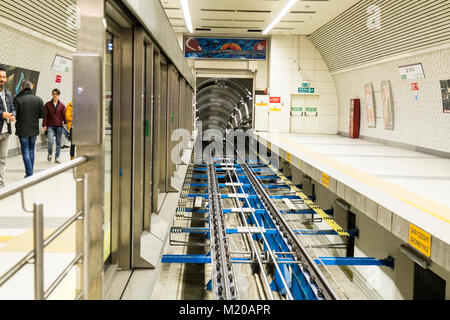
(306, 90)
(297, 109)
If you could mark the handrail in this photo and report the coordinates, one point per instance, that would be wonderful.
(40, 177)
(39, 242)
(62, 276)
(30, 255)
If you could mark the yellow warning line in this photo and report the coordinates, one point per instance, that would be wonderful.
(422, 203)
(325, 217)
(4, 239)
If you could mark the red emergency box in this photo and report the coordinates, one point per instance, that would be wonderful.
(355, 116)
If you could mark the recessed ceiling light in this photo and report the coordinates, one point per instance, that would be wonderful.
(280, 16)
(187, 15)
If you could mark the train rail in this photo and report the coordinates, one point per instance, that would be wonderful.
(272, 247)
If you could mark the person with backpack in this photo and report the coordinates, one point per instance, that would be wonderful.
(29, 109)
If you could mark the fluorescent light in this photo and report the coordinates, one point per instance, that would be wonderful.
(280, 16)
(187, 15)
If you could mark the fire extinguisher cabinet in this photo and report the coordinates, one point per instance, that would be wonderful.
(355, 114)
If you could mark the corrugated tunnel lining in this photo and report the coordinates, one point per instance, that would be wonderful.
(224, 104)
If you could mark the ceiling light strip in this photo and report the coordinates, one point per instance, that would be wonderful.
(187, 15)
(280, 16)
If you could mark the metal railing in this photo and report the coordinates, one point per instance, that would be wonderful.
(36, 256)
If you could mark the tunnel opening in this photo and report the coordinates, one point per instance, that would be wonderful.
(224, 104)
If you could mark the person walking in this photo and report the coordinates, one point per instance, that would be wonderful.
(55, 116)
(29, 109)
(69, 118)
(7, 116)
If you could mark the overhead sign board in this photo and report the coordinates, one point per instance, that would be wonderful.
(306, 84)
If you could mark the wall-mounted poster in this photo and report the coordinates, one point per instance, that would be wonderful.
(445, 88)
(62, 64)
(388, 108)
(369, 101)
(413, 71)
(221, 48)
(15, 77)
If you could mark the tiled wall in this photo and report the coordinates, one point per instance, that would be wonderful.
(22, 50)
(419, 122)
(285, 80)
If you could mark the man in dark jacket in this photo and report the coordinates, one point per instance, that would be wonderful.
(55, 115)
(29, 109)
(7, 116)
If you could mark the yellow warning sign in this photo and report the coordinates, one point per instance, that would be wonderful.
(420, 240)
(275, 109)
(288, 156)
(269, 145)
(326, 180)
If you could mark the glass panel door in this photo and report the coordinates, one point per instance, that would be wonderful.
(109, 75)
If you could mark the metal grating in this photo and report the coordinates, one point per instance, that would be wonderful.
(406, 25)
(48, 17)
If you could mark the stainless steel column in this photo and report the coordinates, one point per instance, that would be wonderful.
(38, 232)
(163, 143)
(143, 91)
(91, 45)
(156, 129)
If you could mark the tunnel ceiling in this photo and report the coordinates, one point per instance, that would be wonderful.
(224, 104)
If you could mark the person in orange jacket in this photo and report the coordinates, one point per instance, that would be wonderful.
(69, 118)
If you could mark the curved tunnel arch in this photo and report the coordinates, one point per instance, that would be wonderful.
(224, 104)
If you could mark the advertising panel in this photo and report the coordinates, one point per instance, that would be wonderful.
(223, 48)
(370, 105)
(15, 77)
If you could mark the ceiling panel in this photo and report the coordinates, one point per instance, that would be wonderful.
(237, 16)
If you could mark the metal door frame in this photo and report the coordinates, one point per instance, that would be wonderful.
(143, 104)
(164, 106)
(156, 128)
(172, 120)
(114, 29)
(91, 13)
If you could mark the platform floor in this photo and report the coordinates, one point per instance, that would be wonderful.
(16, 229)
(413, 185)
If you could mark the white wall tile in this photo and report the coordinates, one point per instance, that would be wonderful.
(29, 52)
(307, 53)
(421, 123)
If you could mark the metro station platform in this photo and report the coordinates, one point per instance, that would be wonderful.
(394, 187)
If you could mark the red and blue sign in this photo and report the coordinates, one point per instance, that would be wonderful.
(225, 48)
